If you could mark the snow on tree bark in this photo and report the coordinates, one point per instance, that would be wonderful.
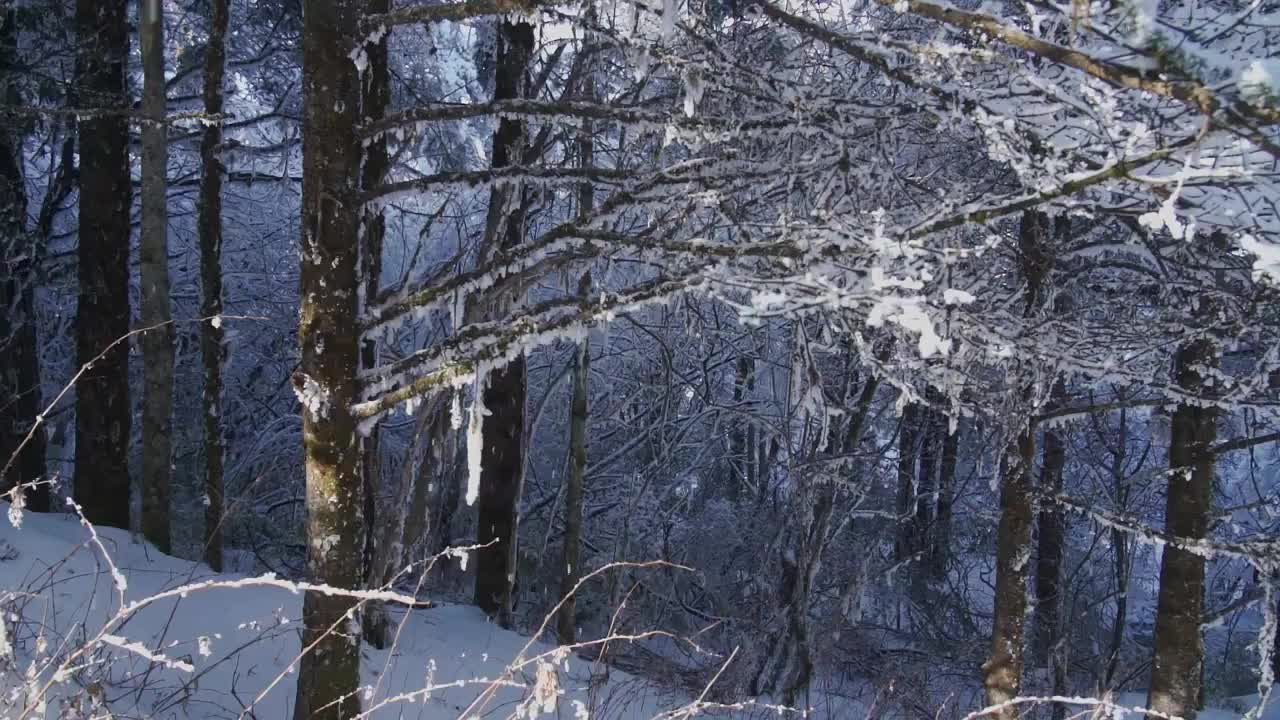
(209, 228)
(103, 415)
(328, 333)
(157, 342)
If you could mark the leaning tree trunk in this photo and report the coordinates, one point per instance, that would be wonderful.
(1179, 651)
(209, 224)
(375, 97)
(502, 457)
(157, 342)
(326, 383)
(19, 351)
(1002, 672)
(103, 417)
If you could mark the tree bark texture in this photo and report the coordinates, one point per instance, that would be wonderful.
(1179, 648)
(19, 351)
(103, 415)
(1002, 672)
(905, 544)
(328, 332)
(571, 565)
(502, 458)
(157, 342)
(375, 97)
(209, 227)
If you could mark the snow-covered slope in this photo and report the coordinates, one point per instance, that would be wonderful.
(227, 652)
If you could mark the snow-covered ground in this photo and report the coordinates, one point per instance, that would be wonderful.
(227, 652)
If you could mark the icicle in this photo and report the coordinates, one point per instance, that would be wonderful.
(475, 436)
(693, 89)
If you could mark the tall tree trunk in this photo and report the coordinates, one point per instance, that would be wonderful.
(908, 455)
(103, 415)
(741, 432)
(19, 351)
(376, 96)
(787, 668)
(157, 344)
(502, 458)
(566, 622)
(328, 333)
(940, 542)
(934, 427)
(1049, 549)
(1050, 642)
(1120, 547)
(1002, 672)
(212, 350)
(571, 565)
(1179, 651)
(1120, 543)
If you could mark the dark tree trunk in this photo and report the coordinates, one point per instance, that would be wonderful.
(157, 343)
(328, 331)
(905, 544)
(1179, 651)
(571, 565)
(1002, 672)
(209, 224)
(19, 352)
(742, 439)
(1050, 641)
(571, 570)
(941, 540)
(502, 457)
(103, 415)
(934, 427)
(376, 96)
(1049, 550)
